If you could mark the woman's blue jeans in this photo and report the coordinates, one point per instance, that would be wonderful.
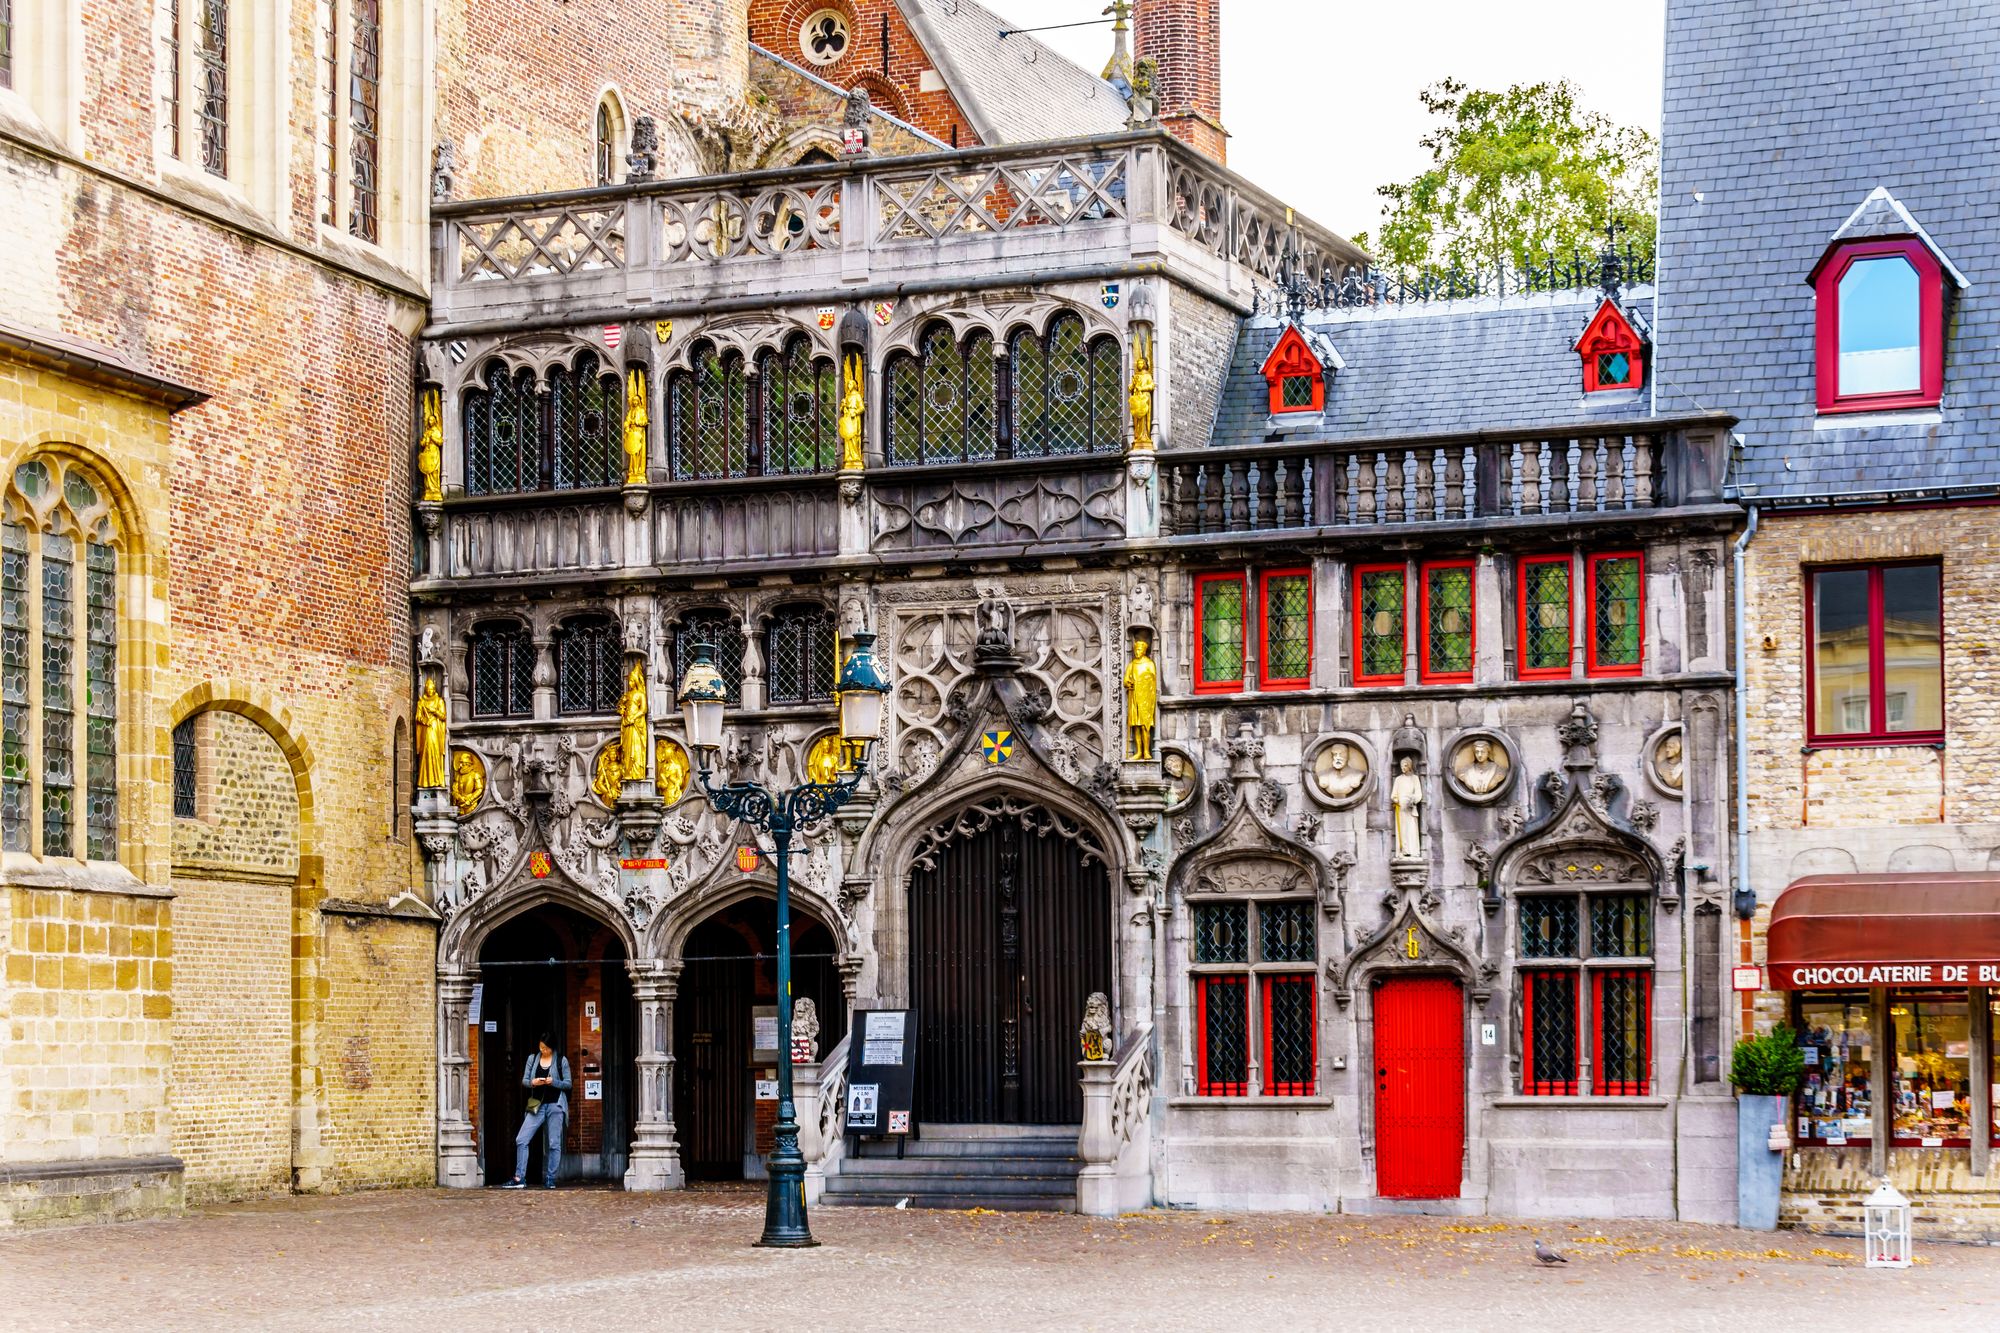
(548, 1117)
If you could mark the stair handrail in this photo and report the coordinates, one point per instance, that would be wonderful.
(1132, 1083)
(833, 1097)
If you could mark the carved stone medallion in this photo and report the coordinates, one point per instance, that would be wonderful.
(1183, 777)
(1666, 762)
(1479, 767)
(1338, 772)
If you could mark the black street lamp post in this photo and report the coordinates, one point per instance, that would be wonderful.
(861, 691)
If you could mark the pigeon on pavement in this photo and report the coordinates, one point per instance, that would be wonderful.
(1547, 1255)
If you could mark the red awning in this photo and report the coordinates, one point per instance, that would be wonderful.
(1831, 932)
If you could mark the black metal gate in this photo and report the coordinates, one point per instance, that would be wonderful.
(1010, 932)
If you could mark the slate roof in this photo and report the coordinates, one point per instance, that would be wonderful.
(1013, 89)
(1485, 364)
(1781, 117)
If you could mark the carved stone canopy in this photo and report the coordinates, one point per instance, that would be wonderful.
(1248, 854)
(1580, 843)
(1406, 943)
(1408, 739)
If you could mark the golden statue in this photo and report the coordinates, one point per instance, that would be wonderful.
(468, 781)
(632, 724)
(607, 775)
(430, 737)
(635, 427)
(851, 409)
(430, 447)
(1142, 698)
(1140, 399)
(825, 760)
(670, 762)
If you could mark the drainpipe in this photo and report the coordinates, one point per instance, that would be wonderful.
(1746, 896)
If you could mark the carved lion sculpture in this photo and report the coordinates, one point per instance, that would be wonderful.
(805, 1026)
(1095, 1035)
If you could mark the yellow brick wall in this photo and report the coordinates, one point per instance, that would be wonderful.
(246, 808)
(381, 1071)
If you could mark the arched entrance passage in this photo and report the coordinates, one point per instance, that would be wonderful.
(555, 970)
(725, 1025)
(1010, 932)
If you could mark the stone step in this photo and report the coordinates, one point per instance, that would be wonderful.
(923, 1174)
(967, 1150)
(1063, 1202)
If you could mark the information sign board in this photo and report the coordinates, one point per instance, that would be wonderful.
(881, 1073)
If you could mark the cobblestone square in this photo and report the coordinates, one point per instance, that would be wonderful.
(437, 1260)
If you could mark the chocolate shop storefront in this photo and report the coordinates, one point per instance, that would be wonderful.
(1893, 985)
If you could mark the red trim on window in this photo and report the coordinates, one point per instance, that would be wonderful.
(1424, 671)
(1825, 279)
(1610, 331)
(1355, 610)
(1202, 582)
(1877, 732)
(1591, 665)
(1265, 679)
(1294, 356)
(1538, 1082)
(1522, 669)
(1624, 1087)
(1273, 1088)
(1204, 1085)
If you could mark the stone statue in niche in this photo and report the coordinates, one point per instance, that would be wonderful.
(1142, 697)
(1339, 770)
(824, 761)
(607, 774)
(1140, 399)
(1481, 766)
(1406, 802)
(1669, 761)
(1095, 1035)
(430, 448)
(852, 407)
(636, 420)
(670, 767)
(430, 738)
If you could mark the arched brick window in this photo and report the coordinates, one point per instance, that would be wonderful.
(801, 410)
(1067, 396)
(503, 671)
(800, 653)
(943, 400)
(719, 630)
(589, 665)
(708, 411)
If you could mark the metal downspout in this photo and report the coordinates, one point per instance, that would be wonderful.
(1741, 546)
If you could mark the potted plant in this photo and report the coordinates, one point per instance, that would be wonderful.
(1766, 1070)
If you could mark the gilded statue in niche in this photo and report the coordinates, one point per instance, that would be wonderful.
(430, 737)
(632, 746)
(430, 447)
(468, 781)
(1406, 800)
(670, 764)
(1142, 697)
(852, 407)
(825, 760)
(1140, 398)
(636, 420)
(607, 775)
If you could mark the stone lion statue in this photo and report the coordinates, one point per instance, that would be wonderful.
(805, 1026)
(1095, 1035)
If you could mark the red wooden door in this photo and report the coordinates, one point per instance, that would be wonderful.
(1419, 1088)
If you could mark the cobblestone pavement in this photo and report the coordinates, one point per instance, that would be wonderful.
(433, 1261)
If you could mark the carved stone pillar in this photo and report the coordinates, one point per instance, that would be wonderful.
(457, 682)
(753, 664)
(545, 677)
(656, 1155)
(458, 1149)
(1096, 1184)
(812, 1146)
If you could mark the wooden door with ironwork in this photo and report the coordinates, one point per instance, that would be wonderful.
(1010, 932)
(1419, 1087)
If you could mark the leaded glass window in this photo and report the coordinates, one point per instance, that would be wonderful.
(503, 428)
(1585, 992)
(1222, 1005)
(1614, 621)
(801, 410)
(1545, 640)
(1296, 391)
(170, 69)
(1380, 602)
(16, 782)
(1067, 396)
(326, 150)
(58, 695)
(800, 655)
(187, 758)
(1620, 1018)
(1287, 657)
(1448, 621)
(943, 403)
(364, 83)
(503, 671)
(589, 666)
(721, 632)
(1549, 1027)
(708, 411)
(211, 88)
(1290, 1048)
(100, 700)
(589, 417)
(1220, 664)
(1262, 952)
(1222, 933)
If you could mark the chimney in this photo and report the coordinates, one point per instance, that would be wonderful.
(1184, 38)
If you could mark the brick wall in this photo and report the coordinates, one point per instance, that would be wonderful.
(895, 85)
(802, 104)
(247, 809)
(1202, 341)
(381, 1075)
(1185, 37)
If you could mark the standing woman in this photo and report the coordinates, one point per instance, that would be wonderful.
(546, 1077)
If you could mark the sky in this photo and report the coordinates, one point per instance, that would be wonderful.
(1320, 96)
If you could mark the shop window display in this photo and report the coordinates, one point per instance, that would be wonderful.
(1835, 1106)
(1933, 1074)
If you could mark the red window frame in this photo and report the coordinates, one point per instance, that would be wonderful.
(1601, 1085)
(1826, 278)
(1202, 583)
(1424, 571)
(1360, 675)
(1265, 679)
(1610, 331)
(1522, 669)
(1222, 982)
(1591, 665)
(1266, 981)
(1538, 1082)
(1877, 732)
(1291, 357)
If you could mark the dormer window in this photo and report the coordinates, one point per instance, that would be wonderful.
(1613, 349)
(1880, 326)
(1296, 374)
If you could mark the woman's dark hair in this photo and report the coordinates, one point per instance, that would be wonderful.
(548, 1039)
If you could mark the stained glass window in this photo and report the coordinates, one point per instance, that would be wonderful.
(721, 632)
(1067, 397)
(1614, 370)
(801, 410)
(326, 147)
(1448, 622)
(589, 411)
(1223, 1019)
(170, 75)
(943, 403)
(1290, 1048)
(1620, 1021)
(16, 782)
(1545, 641)
(364, 82)
(589, 666)
(6, 43)
(503, 671)
(100, 700)
(1548, 1005)
(1222, 932)
(1549, 927)
(708, 408)
(1221, 603)
(211, 100)
(800, 655)
(1285, 932)
(1269, 950)
(58, 628)
(1578, 941)
(1287, 628)
(1614, 598)
(1380, 607)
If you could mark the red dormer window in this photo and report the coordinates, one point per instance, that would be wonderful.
(1614, 355)
(1296, 376)
(1880, 326)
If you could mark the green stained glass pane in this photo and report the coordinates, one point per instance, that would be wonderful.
(1287, 627)
(15, 812)
(1613, 368)
(1222, 633)
(1616, 595)
(1448, 601)
(1382, 623)
(1297, 390)
(1545, 590)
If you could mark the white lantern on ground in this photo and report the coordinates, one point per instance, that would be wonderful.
(1885, 1228)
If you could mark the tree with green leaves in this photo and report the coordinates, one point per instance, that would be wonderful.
(1516, 177)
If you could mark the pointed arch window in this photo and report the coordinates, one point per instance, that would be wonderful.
(1067, 396)
(720, 631)
(943, 400)
(589, 665)
(587, 409)
(708, 409)
(609, 155)
(801, 410)
(799, 648)
(58, 665)
(563, 436)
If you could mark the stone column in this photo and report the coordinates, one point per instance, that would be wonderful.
(753, 664)
(805, 1097)
(656, 1154)
(458, 1149)
(545, 676)
(1096, 1184)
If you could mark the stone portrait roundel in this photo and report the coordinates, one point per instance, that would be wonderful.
(1479, 767)
(1338, 771)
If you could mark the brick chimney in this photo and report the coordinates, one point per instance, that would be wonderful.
(1185, 38)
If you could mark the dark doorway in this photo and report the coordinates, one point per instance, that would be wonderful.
(1010, 932)
(555, 970)
(729, 978)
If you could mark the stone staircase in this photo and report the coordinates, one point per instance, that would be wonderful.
(1015, 1168)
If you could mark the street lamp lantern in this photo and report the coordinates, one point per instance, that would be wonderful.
(862, 689)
